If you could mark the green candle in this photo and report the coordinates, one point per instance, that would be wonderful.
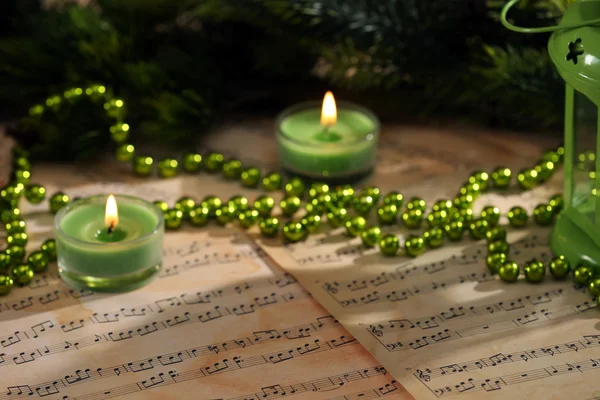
(101, 251)
(319, 147)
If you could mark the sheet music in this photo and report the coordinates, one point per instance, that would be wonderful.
(444, 327)
(221, 321)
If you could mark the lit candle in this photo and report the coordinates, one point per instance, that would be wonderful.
(103, 246)
(322, 141)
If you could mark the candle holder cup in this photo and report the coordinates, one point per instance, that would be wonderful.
(109, 266)
(337, 159)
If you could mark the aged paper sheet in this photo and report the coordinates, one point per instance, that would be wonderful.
(444, 327)
(220, 322)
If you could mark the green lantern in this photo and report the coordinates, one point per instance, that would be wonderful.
(574, 48)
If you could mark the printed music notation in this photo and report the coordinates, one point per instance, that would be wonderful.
(445, 306)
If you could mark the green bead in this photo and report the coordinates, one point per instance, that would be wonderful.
(473, 189)
(374, 192)
(543, 214)
(454, 230)
(495, 261)
(389, 245)
(337, 217)
(295, 187)
(185, 205)
(496, 233)
(509, 271)
(290, 205)
(394, 198)
(125, 152)
(545, 170)
(22, 274)
(414, 245)
(551, 155)
(318, 188)
(10, 194)
(173, 218)
(363, 204)
(517, 217)
(10, 214)
(438, 218)
(445, 205)
(35, 194)
(37, 110)
(464, 201)
(48, 247)
(528, 178)
(18, 238)
(272, 182)
(264, 204)
(534, 271)
(17, 225)
(594, 287)
(225, 214)
(582, 274)
(232, 169)
(16, 253)
(387, 214)
(412, 218)
(478, 228)
(162, 205)
(557, 203)
(434, 237)
(58, 201)
(559, 267)
(5, 262)
(343, 196)
(143, 165)
(22, 163)
(6, 284)
(248, 218)
(192, 162)
(115, 108)
(416, 203)
(119, 132)
(480, 177)
(269, 227)
(371, 236)
(38, 261)
(461, 214)
(311, 222)
(212, 203)
(168, 168)
(501, 177)
(320, 204)
(214, 162)
(22, 176)
(498, 246)
(200, 215)
(491, 214)
(294, 231)
(241, 203)
(250, 177)
(355, 226)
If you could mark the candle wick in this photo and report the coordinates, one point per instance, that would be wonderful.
(326, 131)
(111, 228)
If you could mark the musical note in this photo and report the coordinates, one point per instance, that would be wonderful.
(41, 327)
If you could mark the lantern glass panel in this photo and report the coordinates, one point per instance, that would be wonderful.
(586, 125)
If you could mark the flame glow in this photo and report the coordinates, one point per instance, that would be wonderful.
(111, 214)
(329, 110)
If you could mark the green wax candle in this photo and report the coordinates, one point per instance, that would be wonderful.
(94, 257)
(345, 148)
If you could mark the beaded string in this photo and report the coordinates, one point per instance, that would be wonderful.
(341, 206)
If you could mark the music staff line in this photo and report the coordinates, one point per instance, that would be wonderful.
(322, 384)
(389, 388)
(543, 316)
(226, 365)
(453, 313)
(587, 342)
(142, 330)
(497, 383)
(176, 357)
(158, 306)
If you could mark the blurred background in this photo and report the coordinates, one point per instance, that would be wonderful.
(183, 66)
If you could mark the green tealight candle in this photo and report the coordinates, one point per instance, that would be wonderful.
(109, 245)
(328, 142)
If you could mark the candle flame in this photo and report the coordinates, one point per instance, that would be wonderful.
(111, 214)
(329, 110)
